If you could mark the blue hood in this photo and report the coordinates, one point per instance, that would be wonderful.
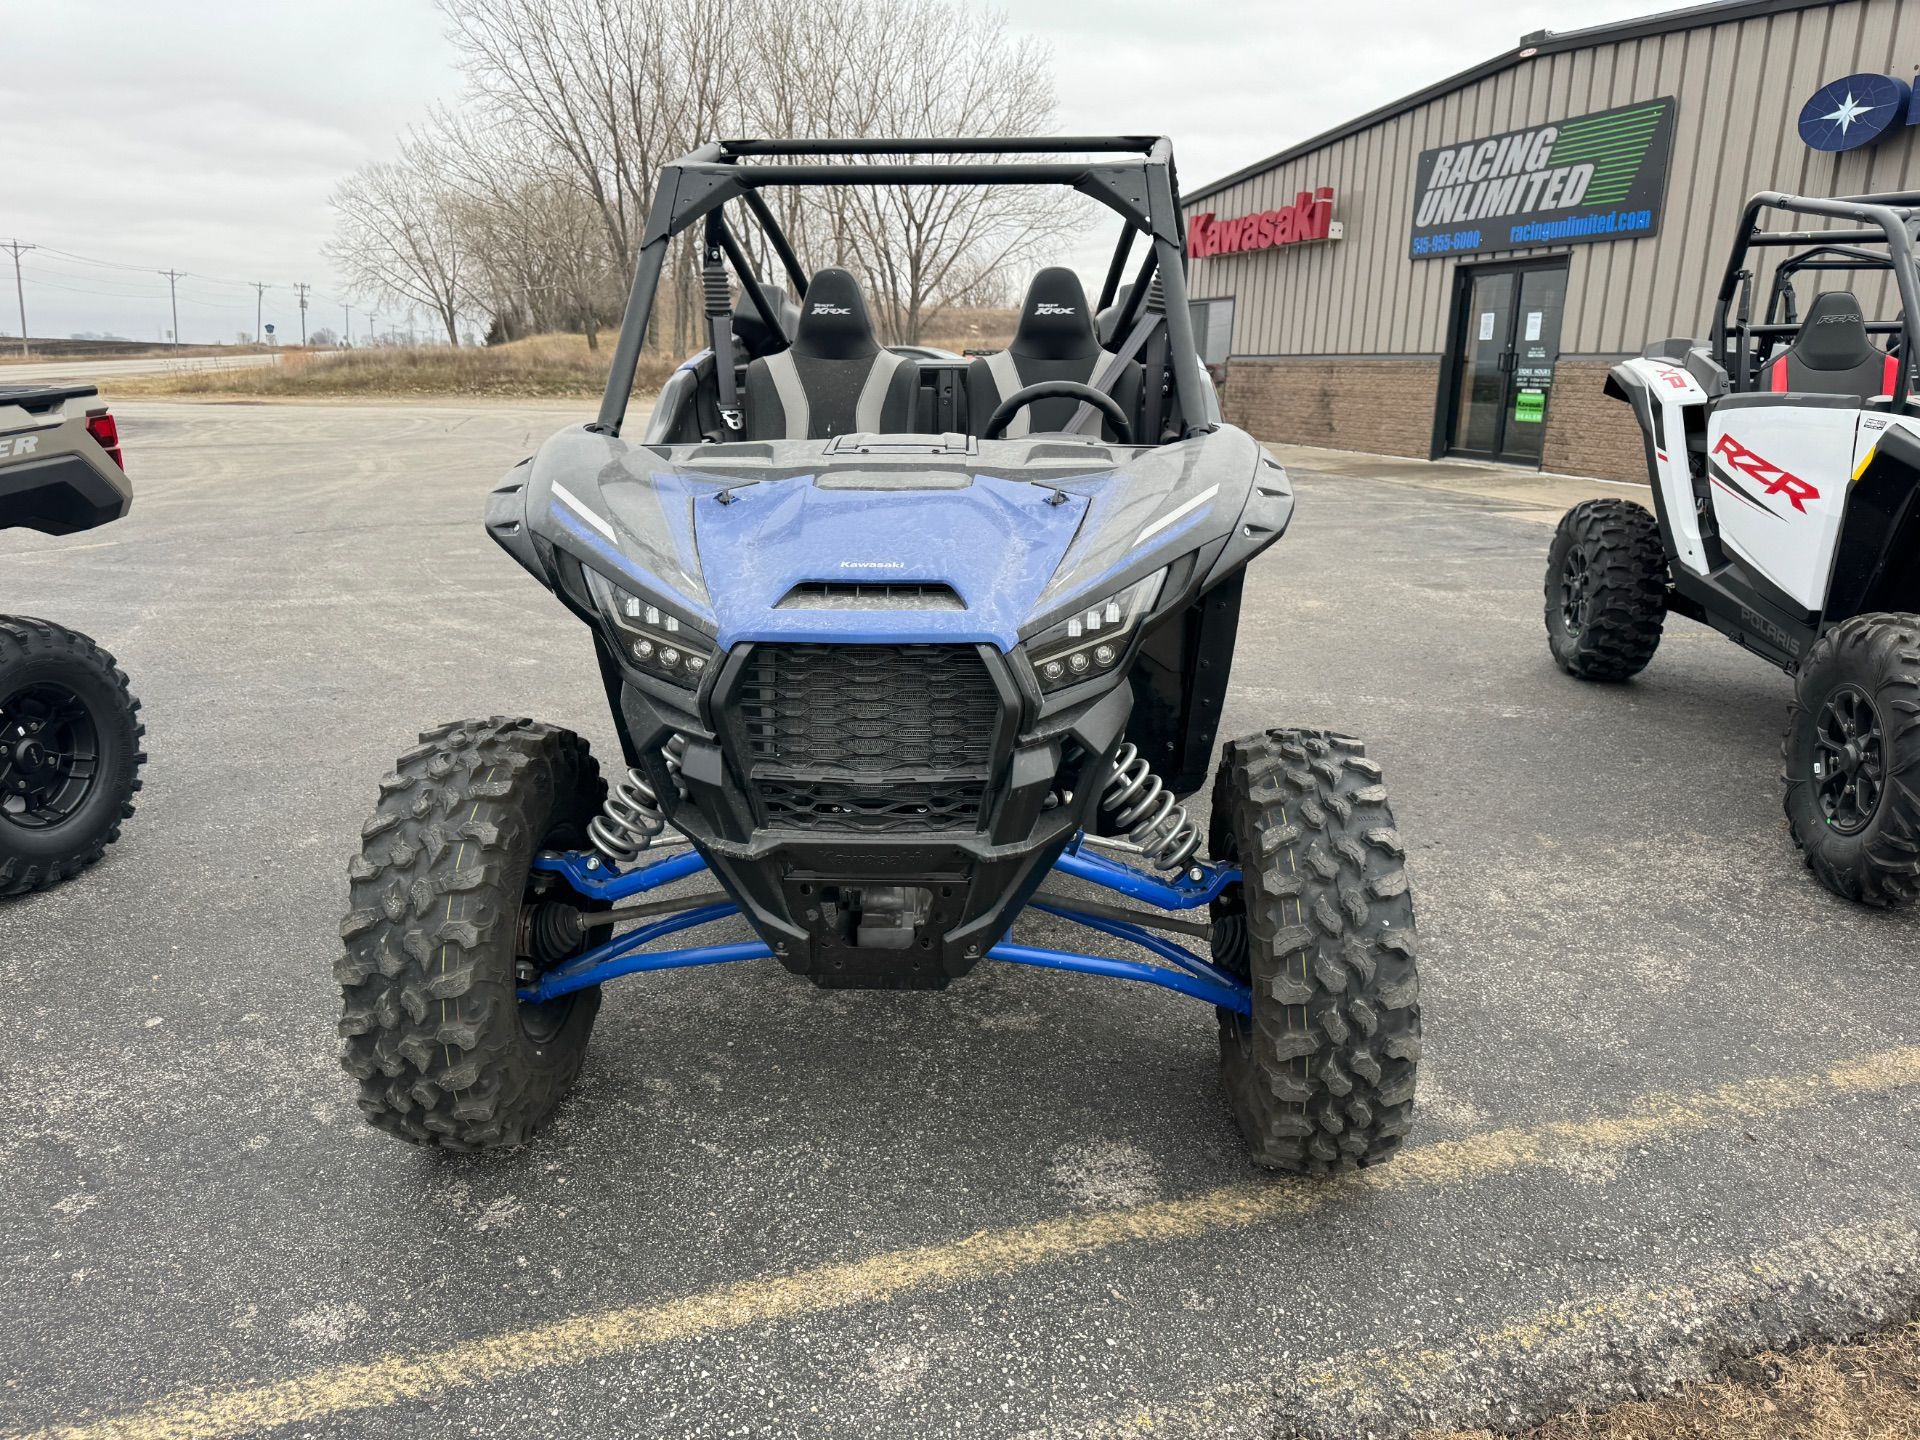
(996, 542)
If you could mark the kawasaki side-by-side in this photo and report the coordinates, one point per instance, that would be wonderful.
(1784, 454)
(902, 653)
(70, 732)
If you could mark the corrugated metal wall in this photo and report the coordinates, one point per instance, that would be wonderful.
(1740, 87)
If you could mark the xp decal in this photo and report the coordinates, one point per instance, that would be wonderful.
(1589, 178)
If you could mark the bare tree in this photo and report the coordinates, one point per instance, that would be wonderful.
(397, 239)
(538, 188)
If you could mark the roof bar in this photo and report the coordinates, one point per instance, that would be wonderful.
(997, 145)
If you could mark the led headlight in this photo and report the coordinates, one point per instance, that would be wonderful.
(1092, 640)
(651, 637)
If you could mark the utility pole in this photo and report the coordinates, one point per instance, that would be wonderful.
(373, 327)
(172, 276)
(303, 288)
(259, 307)
(19, 291)
(346, 326)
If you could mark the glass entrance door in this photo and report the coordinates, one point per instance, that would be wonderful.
(1508, 345)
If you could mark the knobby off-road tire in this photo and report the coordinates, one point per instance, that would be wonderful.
(443, 1051)
(1606, 590)
(1860, 679)
(67, 710)
(1322, 1076)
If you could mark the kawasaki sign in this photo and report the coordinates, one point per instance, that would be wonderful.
(1309, 218)
(1593, 177)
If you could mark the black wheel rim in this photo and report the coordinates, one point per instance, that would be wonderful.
(1574, 584)
(49, 756)
(1849, 758)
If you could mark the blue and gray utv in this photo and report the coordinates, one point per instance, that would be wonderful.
(899, 652)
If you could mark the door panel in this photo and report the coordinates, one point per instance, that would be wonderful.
(1779, 472)
(1483, 365)
(1536, 346)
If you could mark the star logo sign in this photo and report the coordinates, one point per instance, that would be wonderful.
(1849, 111)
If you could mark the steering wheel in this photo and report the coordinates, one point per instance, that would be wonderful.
(1059, 389)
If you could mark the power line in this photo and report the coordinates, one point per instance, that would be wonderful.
(19, 291)
(173, 295)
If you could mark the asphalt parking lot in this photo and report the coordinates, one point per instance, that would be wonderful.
(1670, 1109)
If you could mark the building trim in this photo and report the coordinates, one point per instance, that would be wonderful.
(1541, 42)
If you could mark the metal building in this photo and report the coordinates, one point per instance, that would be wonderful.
(1454, 272)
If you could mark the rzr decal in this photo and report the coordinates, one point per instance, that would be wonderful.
(1771, 478)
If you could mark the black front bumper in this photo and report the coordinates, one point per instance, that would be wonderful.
(801, 885)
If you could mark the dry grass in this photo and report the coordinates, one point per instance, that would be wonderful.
(557, 366)
(45, 350)
(963, 330)
(542, 365)
(1869, 1391)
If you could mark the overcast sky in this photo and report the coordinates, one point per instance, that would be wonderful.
(206, 136)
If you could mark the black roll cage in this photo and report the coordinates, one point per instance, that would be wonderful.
(1888, 220)
(1141, 188)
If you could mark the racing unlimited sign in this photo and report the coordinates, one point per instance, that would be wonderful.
(1589, 178)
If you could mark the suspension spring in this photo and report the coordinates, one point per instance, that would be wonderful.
(632, 818)
(1145, 809)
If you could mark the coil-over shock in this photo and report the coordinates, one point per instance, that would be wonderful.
(632, 818)
(1155, 824)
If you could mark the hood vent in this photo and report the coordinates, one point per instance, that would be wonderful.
(870, 595)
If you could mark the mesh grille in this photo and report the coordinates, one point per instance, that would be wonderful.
(869, 737)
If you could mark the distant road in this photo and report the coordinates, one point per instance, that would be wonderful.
(81, 369)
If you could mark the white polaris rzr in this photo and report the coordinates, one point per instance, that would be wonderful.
(1785, 461)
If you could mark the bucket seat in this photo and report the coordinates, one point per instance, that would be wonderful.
(835, 378)
(1054, 340)
(1832, 354)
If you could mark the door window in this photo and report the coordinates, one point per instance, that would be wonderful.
(1507, 349)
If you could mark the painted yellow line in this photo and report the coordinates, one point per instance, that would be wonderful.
(393, 1379)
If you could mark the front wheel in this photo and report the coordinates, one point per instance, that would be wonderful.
(1606, 590)
(1851, 760)
(70, 753)
(1321, 1077)
(433, 1030)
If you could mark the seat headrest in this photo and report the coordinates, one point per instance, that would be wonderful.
(753, 333)
(833, 319)
(1054, 323)
(1833, 336)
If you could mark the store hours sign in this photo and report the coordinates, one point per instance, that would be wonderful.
(1585, 179)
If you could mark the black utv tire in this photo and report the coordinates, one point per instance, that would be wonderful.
(1851, 759)
(70, 753)
(1606, 590)
(433, 1030)
(1321, 1078)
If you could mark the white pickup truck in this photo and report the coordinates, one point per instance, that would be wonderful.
(70, 731)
